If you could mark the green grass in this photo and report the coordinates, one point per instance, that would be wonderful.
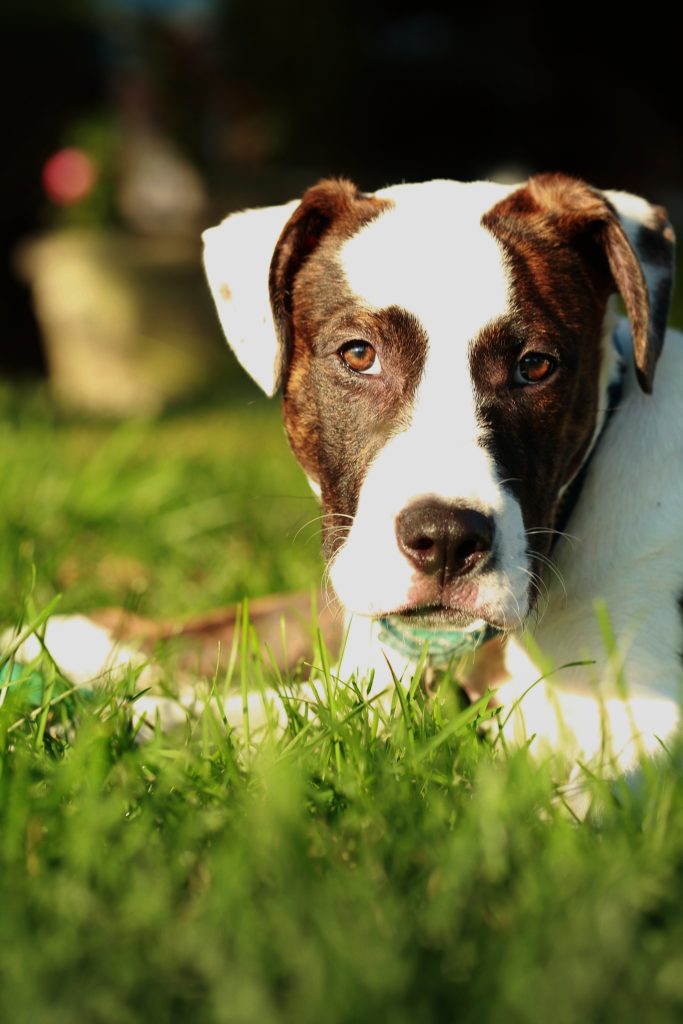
(172, 517)
(349, 870)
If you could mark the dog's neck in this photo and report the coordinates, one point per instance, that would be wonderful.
(615, 390)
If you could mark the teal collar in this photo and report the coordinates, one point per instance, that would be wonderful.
(443, 645)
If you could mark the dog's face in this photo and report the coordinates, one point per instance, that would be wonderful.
(446, 357)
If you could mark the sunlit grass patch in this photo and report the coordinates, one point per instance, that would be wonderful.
(167, 517)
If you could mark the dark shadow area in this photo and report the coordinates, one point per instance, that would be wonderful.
(181, 110)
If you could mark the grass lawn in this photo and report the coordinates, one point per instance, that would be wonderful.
(343, 872)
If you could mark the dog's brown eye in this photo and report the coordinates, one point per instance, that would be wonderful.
(534, 367)
(360, 356)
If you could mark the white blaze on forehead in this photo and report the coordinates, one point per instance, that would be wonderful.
(430, 255)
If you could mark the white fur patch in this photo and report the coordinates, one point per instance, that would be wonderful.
(237, 255)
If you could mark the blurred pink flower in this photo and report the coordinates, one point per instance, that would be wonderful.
(68, 176)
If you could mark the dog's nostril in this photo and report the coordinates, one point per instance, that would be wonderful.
(437, 537)
(470, 547)
(421, 543)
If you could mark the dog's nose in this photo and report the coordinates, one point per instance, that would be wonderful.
(441, 538)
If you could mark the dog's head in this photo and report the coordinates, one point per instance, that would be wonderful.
(446, 354)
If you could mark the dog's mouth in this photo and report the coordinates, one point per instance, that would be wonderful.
(440, 616)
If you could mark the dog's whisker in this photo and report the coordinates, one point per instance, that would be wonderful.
(544, 560)
(321, 519)
(331, 601)
(536, 580)
(549, 530)
(540, 606)
(315, 519)
(516, 600)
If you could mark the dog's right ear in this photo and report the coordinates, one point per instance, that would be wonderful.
(237, 256)
(252, 259)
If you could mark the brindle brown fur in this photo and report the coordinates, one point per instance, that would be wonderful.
(566, 253)
(336, 420)
(655, 245)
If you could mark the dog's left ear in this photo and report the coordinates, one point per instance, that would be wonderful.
(652, 238)
(637, 241)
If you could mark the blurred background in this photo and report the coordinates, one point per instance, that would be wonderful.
(129, 125)
(139, 465)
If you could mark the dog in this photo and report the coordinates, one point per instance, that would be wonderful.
(497, 461)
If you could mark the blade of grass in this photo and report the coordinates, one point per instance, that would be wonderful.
(404, 701)
(244, 683)
(322, 648)
(29, 630)
(459, 724)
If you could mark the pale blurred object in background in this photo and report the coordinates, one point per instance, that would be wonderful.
(160, 192)
(125, 327)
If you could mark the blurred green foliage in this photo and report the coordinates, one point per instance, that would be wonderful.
(189, 512)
